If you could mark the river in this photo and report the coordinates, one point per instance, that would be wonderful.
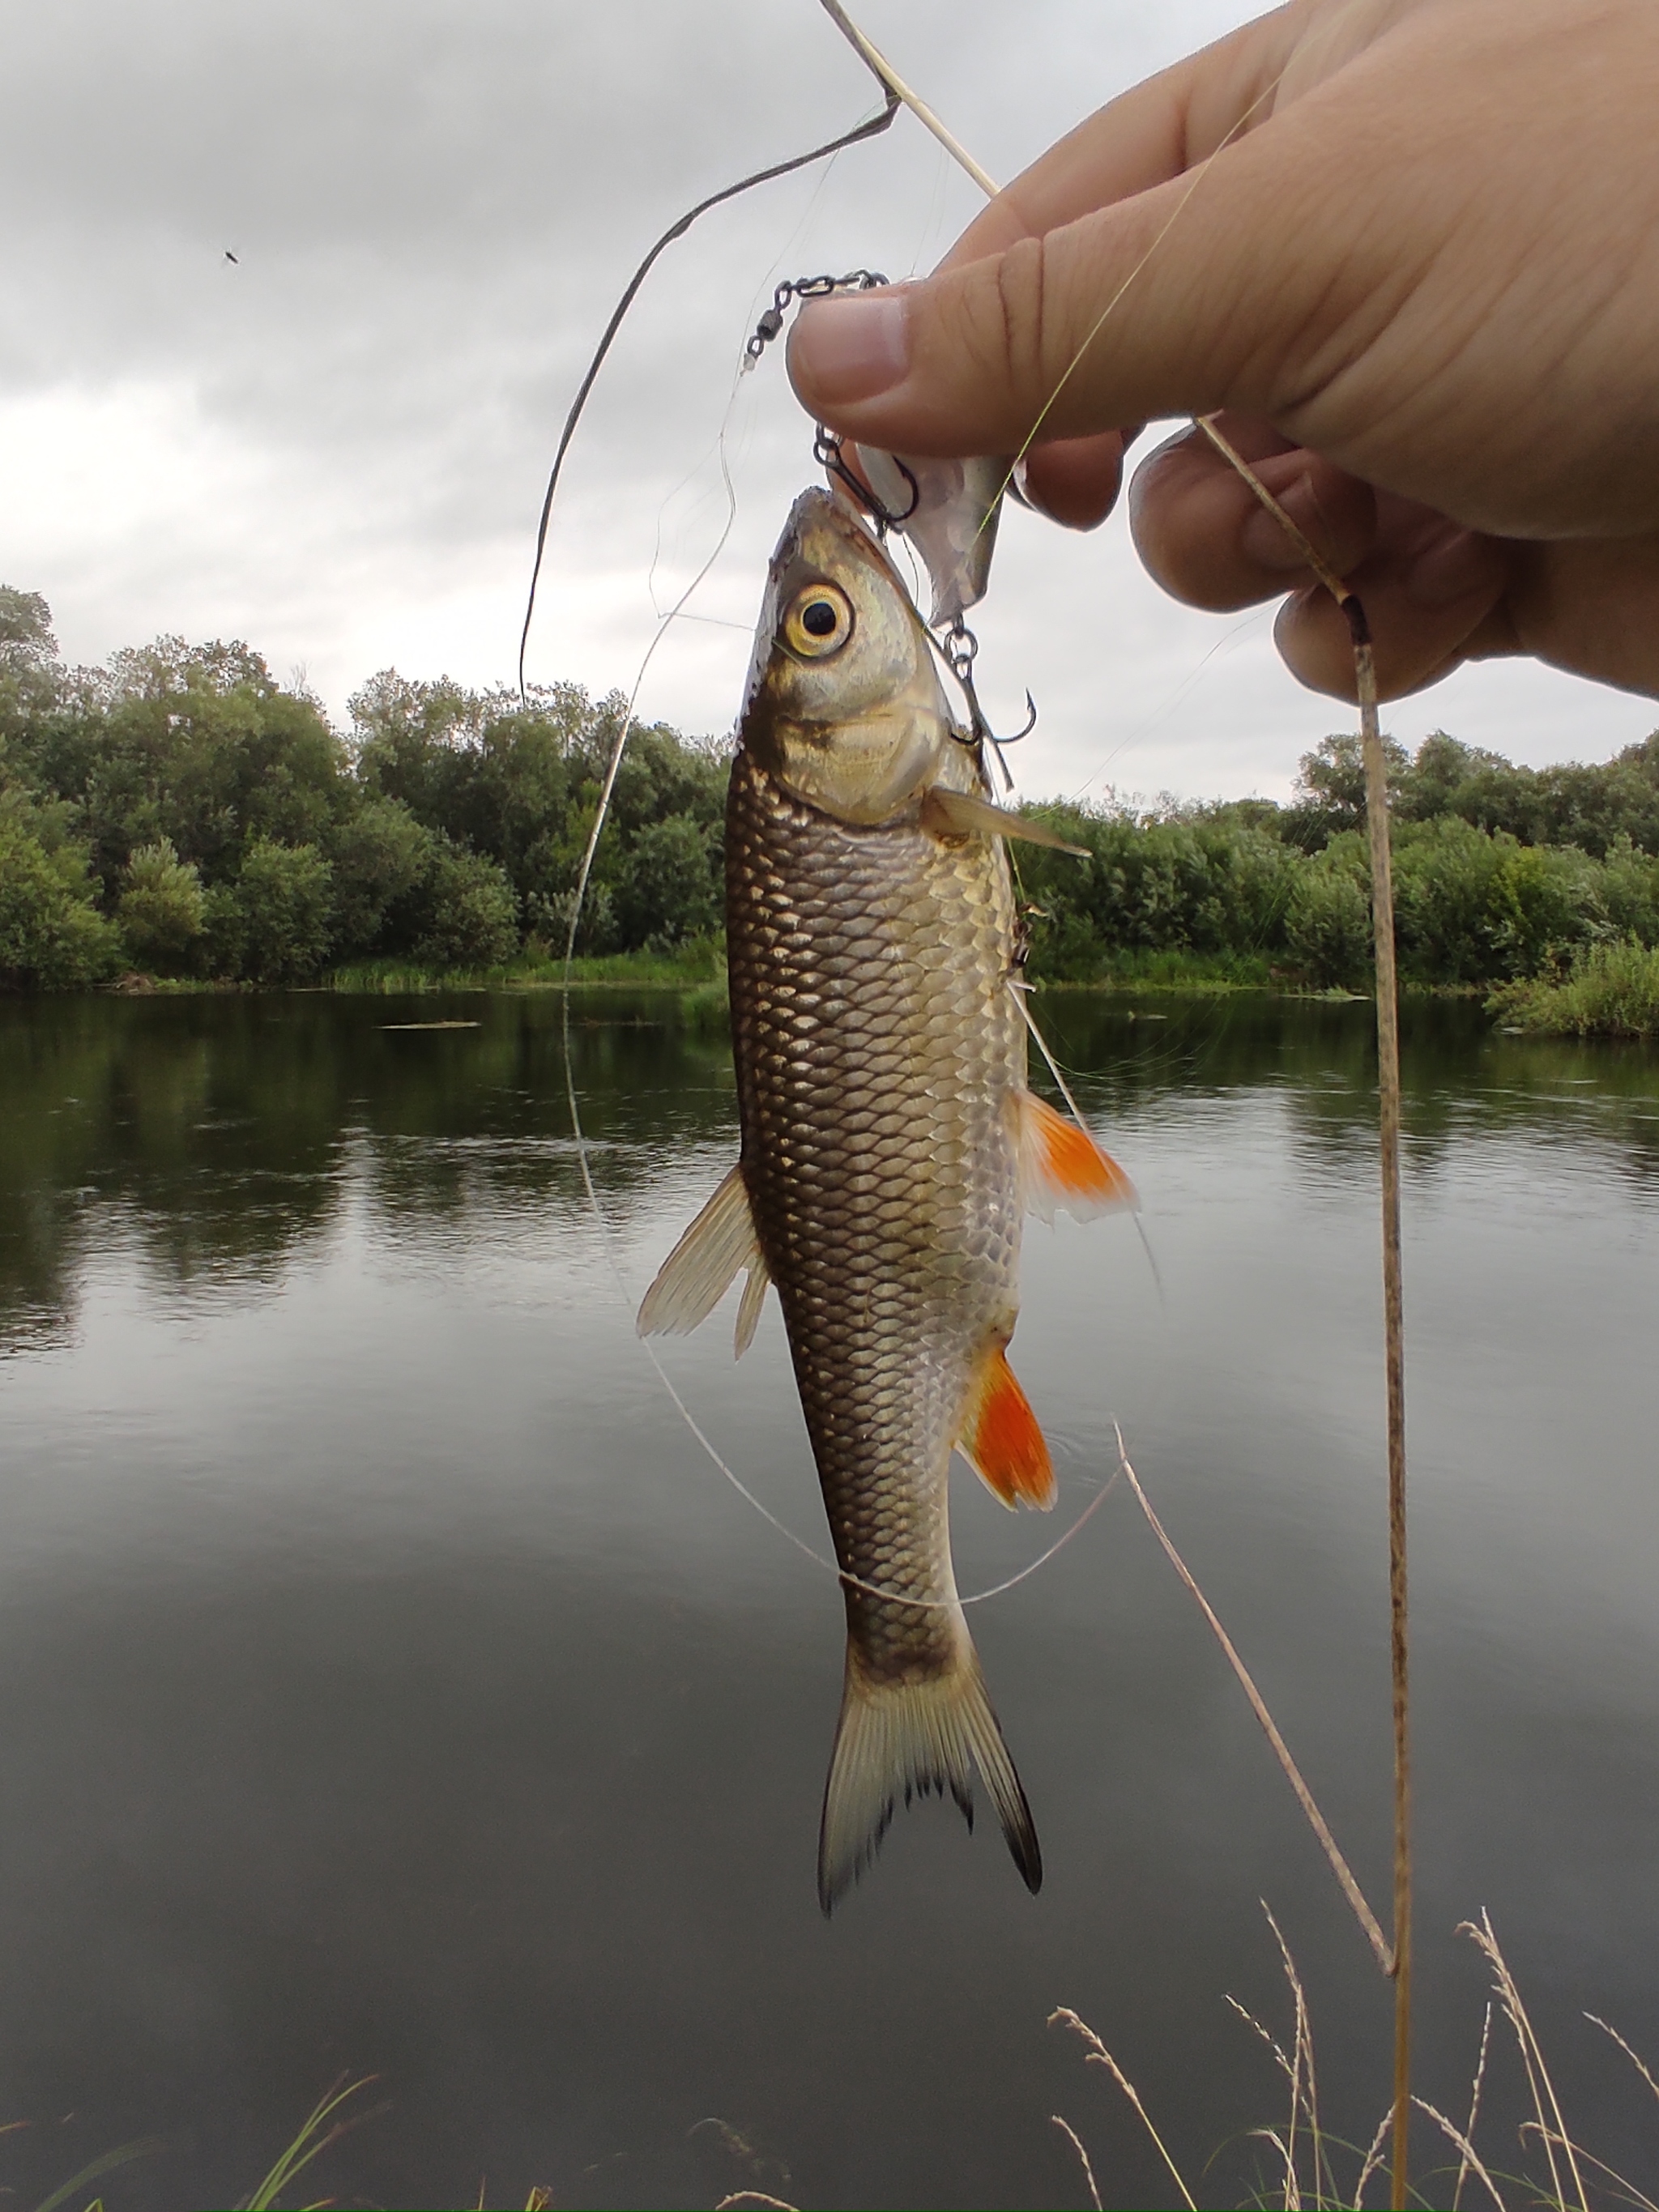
(389, 1684)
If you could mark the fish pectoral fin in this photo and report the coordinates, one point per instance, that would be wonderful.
(1061, 1166)
(1001, 1439)
(701, 1267)
(749, 1307)
(960, 814)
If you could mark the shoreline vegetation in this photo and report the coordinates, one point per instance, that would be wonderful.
(178, 820)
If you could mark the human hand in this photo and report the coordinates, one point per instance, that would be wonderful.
(1411, 249)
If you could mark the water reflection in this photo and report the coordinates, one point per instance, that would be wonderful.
(390, 1682)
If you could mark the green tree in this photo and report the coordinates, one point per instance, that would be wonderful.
(53, 937)
(380, 854)
(466, 915)
(282, 896)
(670, 885)
(162, 911)
(1327, 924)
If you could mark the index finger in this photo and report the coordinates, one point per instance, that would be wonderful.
(1159, 130)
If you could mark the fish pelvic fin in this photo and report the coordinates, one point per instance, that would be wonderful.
(702, 1266)
(749, 1306)
(1062, 1169)
(906, 1739)
(1002, 1439)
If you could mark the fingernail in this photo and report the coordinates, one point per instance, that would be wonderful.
(1264, 538)
(851, 348)
(1450, 569)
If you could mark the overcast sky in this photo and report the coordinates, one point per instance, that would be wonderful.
(335, 447)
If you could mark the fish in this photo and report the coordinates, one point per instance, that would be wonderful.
(890, 1145)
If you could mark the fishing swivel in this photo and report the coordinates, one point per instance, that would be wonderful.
(805, 287)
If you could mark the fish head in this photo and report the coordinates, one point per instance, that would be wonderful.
(844, 708)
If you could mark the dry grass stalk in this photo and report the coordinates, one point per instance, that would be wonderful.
(1532, 2058)
(1466, 2151)
(1099, 2055)
(1640, 2064)
(1394, 1330)
(1475, 2103)
(1304, 1796)
(1629, 2193)
(1373, 2157)
(752, 2197)
(1076, 2142)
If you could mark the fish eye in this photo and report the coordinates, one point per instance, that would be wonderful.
(819, 622)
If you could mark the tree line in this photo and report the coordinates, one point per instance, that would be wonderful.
(1501, 872)
(180, 813)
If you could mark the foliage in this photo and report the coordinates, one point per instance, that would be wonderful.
(465, 913)
(282, 897)
(51, 935)
(1608, 990)
(181, 803)
(163, 911)
(183, 807)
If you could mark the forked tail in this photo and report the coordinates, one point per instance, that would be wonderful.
(907, 1739)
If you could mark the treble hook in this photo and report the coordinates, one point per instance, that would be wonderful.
(961, 649)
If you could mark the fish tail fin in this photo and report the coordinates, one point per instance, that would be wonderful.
(905, 1739)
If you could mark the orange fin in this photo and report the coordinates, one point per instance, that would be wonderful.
(1061, 1166)
(1001, 1439)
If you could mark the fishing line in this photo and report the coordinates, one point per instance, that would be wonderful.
(894, 96)
(1232, 637)
(675, 613)
(870, 127)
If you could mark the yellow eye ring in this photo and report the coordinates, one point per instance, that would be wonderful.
(819, 621)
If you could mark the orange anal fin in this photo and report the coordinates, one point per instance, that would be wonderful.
(1061, 1166)
(1001, 1439)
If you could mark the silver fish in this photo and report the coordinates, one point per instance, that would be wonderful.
(890, 1146)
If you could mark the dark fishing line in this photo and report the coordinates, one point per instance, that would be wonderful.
(870, 129)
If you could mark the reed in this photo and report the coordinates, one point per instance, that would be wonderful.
(1611, 990)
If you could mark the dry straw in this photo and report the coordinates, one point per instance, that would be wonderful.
(1397, 1959)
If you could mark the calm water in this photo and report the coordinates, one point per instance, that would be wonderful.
(387, 1682)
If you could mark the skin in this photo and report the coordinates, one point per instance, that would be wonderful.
(1409, 249)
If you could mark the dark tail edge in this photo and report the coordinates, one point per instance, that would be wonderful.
(908, 1739)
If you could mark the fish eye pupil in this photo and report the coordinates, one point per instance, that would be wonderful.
(820, 617)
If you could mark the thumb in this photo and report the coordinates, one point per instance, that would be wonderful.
(1220, 286)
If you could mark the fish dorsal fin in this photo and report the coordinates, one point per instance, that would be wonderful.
(1062, 1168)
(1001, 1439)
(960, 814)
(701, 1267)
(749, 1307)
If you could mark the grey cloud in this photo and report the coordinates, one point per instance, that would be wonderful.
(434, 204)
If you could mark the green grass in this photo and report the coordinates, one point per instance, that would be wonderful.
(1169, 970)
(687, 967)
(1611, 990)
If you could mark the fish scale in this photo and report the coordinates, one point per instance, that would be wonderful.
(880, 1162)
(889, 1144)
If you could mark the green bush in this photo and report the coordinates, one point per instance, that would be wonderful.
(379, 852)
(52, 937)
(468, 917)
(283, 893)
(163, 909)
(1609, 990)
(1328, 923)
(670, 886)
